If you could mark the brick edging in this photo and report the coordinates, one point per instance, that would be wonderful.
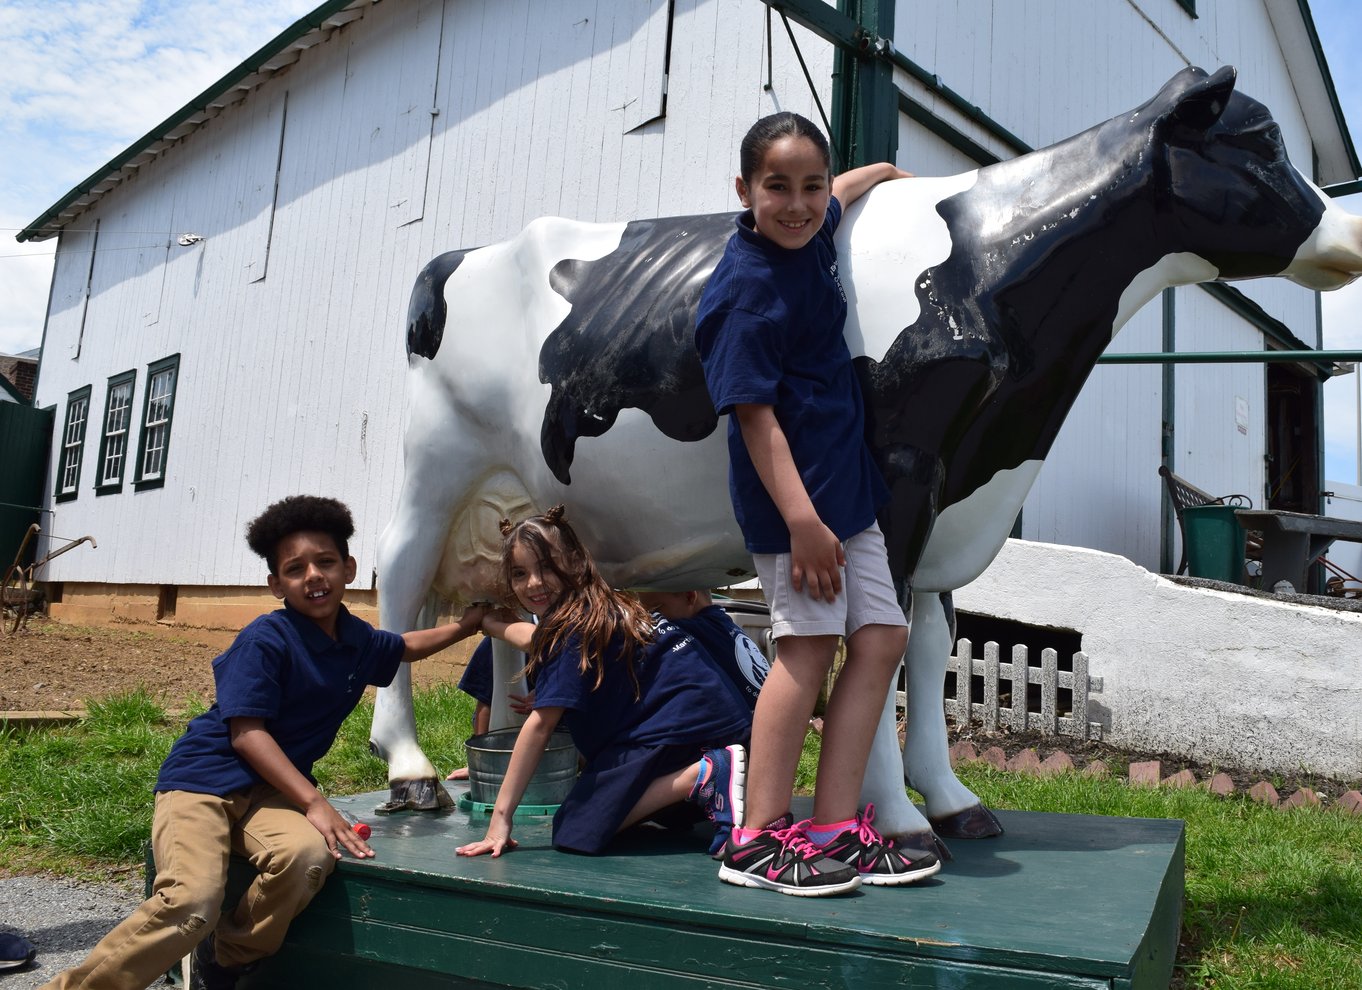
(1149, 773)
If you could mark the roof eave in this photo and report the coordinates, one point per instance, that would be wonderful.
(279, 52)
(1309, 71)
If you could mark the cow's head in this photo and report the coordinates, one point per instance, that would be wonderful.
(1230, 195)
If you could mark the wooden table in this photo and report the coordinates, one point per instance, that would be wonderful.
(1292, 541)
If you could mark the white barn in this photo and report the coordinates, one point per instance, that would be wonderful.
(226, 323)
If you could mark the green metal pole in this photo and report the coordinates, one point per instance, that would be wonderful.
(865, 101)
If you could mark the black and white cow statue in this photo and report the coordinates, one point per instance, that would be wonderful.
(559, 366)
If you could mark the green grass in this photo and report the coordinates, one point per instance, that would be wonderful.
(76, 800)
(1274, 899)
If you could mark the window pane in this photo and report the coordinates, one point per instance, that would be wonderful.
(157, 426)
(72, 442)
(116, 433)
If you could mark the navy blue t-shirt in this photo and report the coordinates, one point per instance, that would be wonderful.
(684, 699)
(731, 648)
(477, 676)
(281, 668)
(769, 332)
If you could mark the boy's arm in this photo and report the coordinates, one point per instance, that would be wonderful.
(254, 743)
(851, 186)
(529, 749)
(815, 552)
(421, 643)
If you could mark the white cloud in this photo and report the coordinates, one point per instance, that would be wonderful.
(82, 81)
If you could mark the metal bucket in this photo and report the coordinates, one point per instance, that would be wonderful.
(489, 756)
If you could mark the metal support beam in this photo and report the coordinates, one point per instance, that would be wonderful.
(864, 101)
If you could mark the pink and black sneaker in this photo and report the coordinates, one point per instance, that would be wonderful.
(874, 857)
(782, 858)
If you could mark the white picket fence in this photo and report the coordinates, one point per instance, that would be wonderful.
(1015, 715)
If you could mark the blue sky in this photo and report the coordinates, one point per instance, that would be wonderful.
(83, 79)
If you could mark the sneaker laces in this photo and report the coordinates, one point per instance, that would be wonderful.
(796, 840)
(866, 832)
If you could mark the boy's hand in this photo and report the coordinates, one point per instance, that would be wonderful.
(816, 559)
(473, 615)
(336, 831)
(497, 841)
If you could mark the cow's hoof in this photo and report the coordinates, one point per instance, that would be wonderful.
(427, 794)
(925, 841)
(975, 822)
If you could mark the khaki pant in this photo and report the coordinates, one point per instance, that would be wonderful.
(192, 836)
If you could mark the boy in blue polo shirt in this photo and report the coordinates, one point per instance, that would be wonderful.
(723, 639)
(240, 778)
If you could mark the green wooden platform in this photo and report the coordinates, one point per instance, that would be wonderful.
(1059, 901)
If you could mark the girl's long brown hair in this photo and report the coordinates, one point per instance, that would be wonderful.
(588, 610)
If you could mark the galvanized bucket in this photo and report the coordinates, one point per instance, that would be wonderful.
(489, 756)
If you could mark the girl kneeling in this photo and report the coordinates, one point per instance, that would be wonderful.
(655, 719)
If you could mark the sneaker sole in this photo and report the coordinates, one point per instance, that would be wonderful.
(740, 879)
(737, 787)
(900, 879)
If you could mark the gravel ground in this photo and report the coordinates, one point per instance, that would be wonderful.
(63, 918)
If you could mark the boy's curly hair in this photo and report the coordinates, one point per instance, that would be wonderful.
(297, 514)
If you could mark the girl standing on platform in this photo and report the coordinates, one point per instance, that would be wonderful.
(655, 719)
(805, 491)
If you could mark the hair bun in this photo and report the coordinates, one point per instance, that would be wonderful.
(555, 514)
(506, 526)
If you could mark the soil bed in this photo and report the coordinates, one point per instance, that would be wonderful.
(52, 666)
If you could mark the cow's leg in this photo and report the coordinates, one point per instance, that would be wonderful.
(952, 808)
(883, 787)
(407, 560)
(507, 663)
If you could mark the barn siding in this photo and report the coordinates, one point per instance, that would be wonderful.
(296, 381)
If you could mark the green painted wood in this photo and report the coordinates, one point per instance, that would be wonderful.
(1058, 901)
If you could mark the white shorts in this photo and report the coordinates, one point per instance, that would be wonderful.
(867, 596)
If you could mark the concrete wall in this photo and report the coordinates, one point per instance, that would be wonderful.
(1219, 676)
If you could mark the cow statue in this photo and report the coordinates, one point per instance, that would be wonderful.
(559, 366)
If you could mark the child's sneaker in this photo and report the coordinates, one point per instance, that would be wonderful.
(721, 794)
(206, 973)
(783, 859)
(875, 858)
(16, 952)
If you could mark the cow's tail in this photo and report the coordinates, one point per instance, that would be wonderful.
(427, 311)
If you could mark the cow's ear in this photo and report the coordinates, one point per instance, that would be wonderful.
(1202, 102)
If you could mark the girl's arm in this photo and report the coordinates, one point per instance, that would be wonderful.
(816, 556)
(529, 748)
(502, 624)
(254, 743)
(421, 643)
(851, 186)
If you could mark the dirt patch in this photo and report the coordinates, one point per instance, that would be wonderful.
(51, 666)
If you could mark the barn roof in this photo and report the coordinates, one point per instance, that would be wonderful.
(1291, 20)
(278, 53)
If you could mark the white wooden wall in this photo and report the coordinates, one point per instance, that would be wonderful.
(289, 315)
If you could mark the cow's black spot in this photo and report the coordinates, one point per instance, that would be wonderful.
(426, 311)
(629, 341)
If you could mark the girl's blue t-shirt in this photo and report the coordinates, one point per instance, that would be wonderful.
(732, 649)
(683, 699)
(281, 668)
(769, 332)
